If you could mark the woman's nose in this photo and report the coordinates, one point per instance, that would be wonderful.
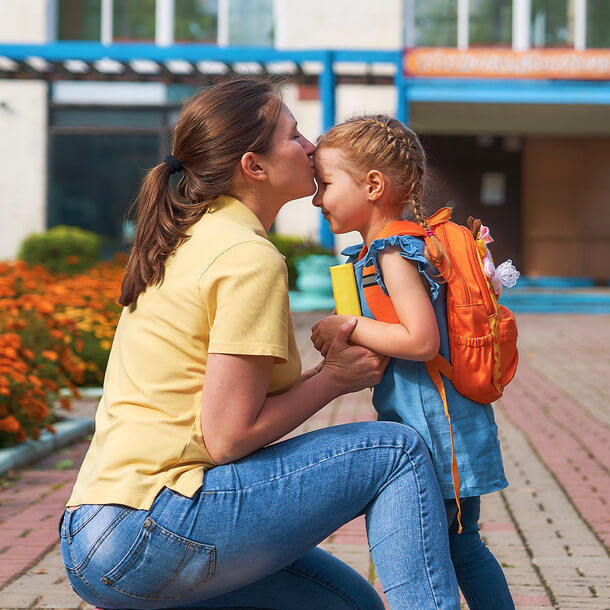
(308, 147)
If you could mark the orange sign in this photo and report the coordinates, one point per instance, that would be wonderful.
(592, 64)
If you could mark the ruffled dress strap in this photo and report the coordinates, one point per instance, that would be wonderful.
(411, 248)
(352, 252)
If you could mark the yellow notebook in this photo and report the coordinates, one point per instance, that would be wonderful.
(345, 290)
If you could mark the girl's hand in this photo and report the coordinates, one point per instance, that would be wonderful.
(352, 367)
(324, 331)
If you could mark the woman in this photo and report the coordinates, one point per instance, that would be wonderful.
(181, 500)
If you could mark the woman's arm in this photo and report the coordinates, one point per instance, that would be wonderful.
(415, 338)
(237, 417)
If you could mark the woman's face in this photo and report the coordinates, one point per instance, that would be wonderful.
(290, 162)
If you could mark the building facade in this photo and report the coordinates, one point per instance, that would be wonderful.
(511, 99)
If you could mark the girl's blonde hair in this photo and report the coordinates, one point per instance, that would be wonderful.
(384, 143)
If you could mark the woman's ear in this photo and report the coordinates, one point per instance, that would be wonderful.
(375, 184)
(251, 167)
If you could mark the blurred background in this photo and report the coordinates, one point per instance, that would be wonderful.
(511, 99)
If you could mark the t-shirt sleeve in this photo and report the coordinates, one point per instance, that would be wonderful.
(245, 291)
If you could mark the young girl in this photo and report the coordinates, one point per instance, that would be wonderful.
(371, 171)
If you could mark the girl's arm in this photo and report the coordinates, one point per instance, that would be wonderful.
(237, 417)
(415, 338)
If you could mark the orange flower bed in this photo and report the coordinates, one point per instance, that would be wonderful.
(55, 332)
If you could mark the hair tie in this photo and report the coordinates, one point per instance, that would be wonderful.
(173, 164)
(429, 233)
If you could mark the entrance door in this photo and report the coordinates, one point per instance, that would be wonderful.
(479, 176)
(566, 195)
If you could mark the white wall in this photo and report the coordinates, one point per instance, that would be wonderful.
(23, 21)
(300, 217)
(23, 162)
(23, 132)
(338, 24)
(334, 24)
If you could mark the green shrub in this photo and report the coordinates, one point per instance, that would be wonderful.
(62, 249)
(294, 248)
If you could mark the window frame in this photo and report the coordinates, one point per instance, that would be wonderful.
(164, 29)
(521, 25)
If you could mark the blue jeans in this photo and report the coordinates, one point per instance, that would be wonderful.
(478, 572)
(248, 537)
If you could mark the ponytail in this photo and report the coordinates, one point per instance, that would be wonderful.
(214, 130)
(161, 224)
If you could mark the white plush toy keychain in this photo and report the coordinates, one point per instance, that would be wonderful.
(505, 274)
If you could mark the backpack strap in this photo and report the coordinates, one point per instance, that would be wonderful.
(407, 227)
(382, 309)
(435, 375)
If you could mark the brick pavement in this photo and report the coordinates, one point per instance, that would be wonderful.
(550, 529)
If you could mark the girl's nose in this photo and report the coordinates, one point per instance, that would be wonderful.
(317, 199)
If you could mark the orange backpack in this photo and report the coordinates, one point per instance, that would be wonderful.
(482, 333)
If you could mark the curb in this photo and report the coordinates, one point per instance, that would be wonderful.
(66, 432)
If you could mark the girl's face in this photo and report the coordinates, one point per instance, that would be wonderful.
(290, 164)
(342, 200)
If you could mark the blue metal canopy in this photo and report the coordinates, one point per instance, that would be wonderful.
(199, 64)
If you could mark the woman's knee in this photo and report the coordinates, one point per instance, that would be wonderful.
(401, 435)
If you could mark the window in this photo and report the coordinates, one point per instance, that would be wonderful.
(93, 180)
(79, 19)
(436, 23)
(551, 26)
(598, 18)
(490, 23)
(98, 158)
(244, 22)
(133, 20)
(251, 23)
(196, 20)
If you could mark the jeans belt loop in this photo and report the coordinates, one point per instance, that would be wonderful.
(66, 523)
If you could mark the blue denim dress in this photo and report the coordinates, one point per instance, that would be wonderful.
(406, 393)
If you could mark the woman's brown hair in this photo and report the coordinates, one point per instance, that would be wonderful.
(384, 143)
(215, 128)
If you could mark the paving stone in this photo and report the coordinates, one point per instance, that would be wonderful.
(534, 505)
(535, 528)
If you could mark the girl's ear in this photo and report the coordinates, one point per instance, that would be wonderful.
(375, 184)
(252, 168)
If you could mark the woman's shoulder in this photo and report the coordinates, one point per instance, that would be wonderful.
(215, 235)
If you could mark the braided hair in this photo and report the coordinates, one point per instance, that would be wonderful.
(384, 143)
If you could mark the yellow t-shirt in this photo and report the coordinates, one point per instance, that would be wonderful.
(225, 291)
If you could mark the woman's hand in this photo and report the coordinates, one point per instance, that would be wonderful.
(325, 330)
(237, 415)
(352, 367)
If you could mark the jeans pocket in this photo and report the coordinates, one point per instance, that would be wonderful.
(161, 565)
